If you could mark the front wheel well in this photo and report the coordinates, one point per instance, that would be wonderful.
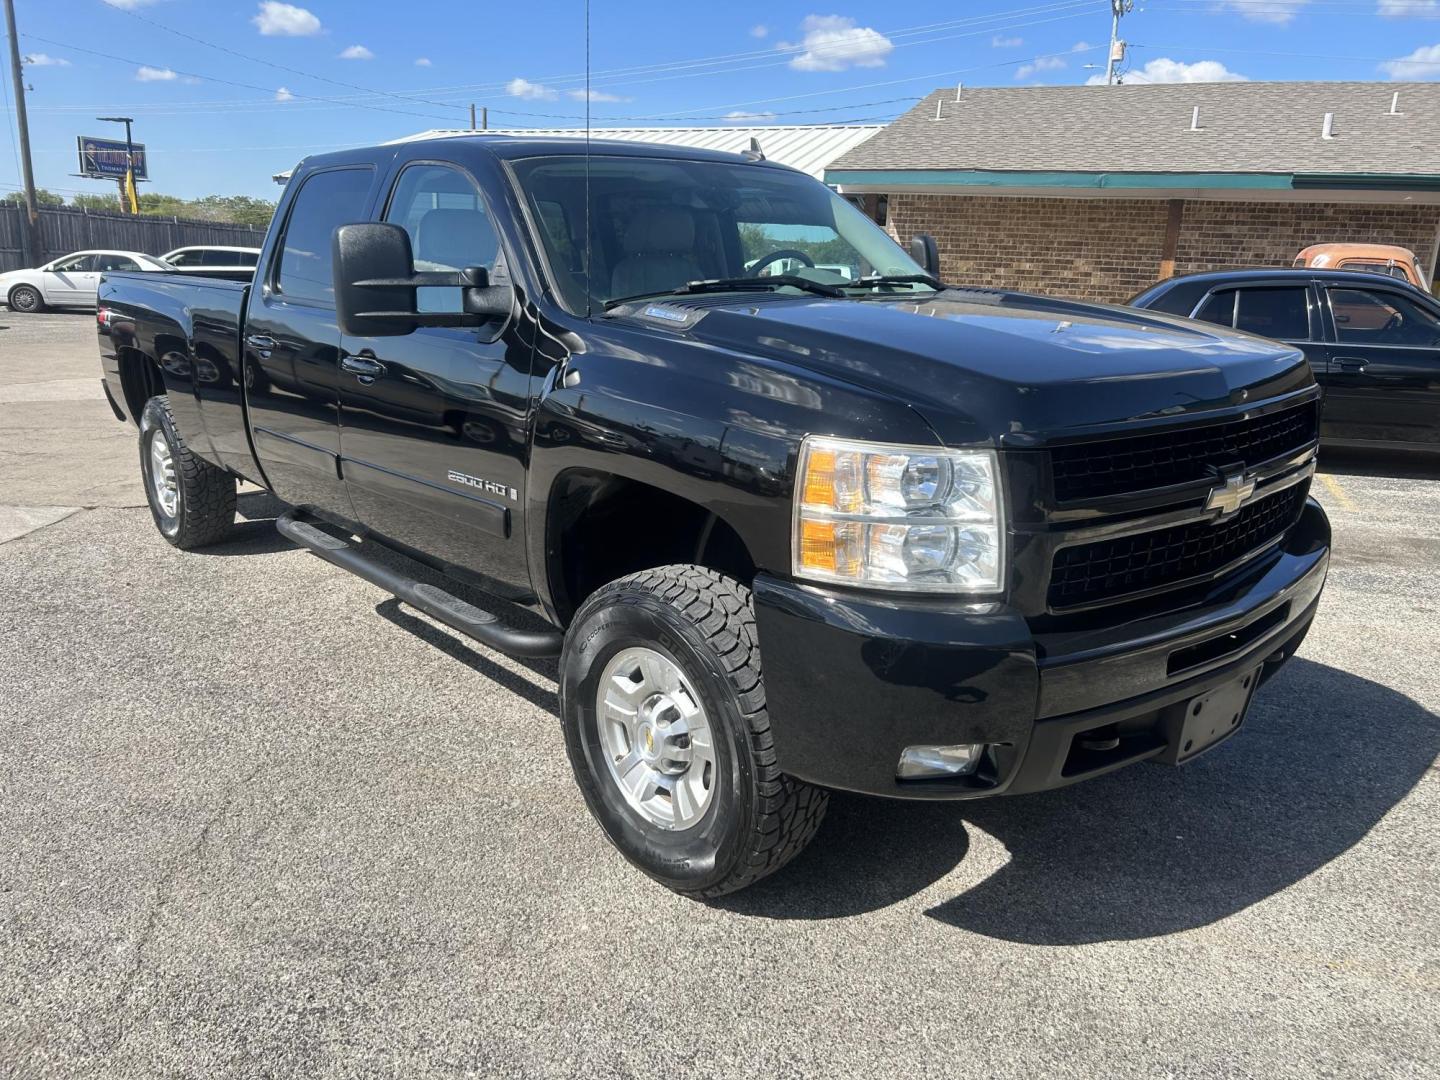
(601, 527)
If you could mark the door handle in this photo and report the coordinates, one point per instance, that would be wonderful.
(364, 366)
(1351, 365)
(261, 343)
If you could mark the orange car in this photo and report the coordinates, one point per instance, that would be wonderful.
(1373, 258)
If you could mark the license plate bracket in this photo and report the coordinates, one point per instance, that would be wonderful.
(1206, 720)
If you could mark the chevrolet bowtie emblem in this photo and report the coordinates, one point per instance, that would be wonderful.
(1230, 496)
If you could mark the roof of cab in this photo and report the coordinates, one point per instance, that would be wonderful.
(513, 147)
(1271, 273)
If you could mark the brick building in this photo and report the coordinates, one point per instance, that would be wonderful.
(1098, 191)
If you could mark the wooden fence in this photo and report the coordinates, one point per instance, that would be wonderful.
(65, 229)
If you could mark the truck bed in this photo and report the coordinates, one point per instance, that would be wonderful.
(191, 325)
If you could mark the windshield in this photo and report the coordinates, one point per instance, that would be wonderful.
(658, 223)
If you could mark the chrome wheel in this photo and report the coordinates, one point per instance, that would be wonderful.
(656, 738)
(163, 485)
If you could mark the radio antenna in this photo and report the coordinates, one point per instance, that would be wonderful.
(589, 252)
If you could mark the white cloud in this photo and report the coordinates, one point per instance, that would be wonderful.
(422, 61)
(1165, 70)
(284, 94)
(1081, 46)
(595, 95)
(524, 88)
(834, 43)
(1409, 9)
(998, 42)
(1044, 63)
(760, 31)
(1423, 63)
(356, 52)
(285, 20)
(740, 117)
(39, 59)
(1265, 11)
(150, 74)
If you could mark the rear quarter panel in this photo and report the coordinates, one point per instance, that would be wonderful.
(190, 328)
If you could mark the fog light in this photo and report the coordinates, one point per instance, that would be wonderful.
(918, 762)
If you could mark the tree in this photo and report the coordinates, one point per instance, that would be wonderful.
(42, 198)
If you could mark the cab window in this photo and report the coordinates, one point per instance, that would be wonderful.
(449, 228)
(185, 258)
(325, 202)
(75, 264)
(115, 262)
(1274, 313)
(1363, 316)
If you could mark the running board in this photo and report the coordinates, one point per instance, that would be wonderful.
(455, 613)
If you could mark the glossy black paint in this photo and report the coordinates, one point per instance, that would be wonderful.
(1375, 395)
(706, 408)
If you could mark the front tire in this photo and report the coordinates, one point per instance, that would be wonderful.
(663, 705)
(192, 501)
(26, 300)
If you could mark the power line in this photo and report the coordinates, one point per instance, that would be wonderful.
(279, 67)
(226, 82)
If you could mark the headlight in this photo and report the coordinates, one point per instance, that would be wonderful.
(911, 518)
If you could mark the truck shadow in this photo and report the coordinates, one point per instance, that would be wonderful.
(1144, 852)
(1398, 464)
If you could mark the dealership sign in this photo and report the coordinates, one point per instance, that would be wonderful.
(104, 159)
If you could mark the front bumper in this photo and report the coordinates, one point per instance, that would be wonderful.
(851, 681)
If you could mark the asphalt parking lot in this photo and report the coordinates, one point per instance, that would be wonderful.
(255, 819)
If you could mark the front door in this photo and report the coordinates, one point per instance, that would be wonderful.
(1383, 381)
(292, 345)
(71, 281)
(433, 423)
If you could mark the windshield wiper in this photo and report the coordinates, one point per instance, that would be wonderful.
(897, 279)
(739, 284)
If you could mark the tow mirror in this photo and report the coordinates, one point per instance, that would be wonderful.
(376, 283)
(926, 252)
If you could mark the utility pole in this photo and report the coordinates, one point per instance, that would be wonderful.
(472, 116)
(127, 186)
(30, 233)
(1117, 47)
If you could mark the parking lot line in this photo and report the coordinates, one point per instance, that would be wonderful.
(1333, 487)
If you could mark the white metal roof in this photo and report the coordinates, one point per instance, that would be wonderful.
(809, 148)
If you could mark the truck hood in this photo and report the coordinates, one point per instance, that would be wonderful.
(998, 367)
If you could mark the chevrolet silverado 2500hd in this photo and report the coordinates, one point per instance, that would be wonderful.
(791, 528)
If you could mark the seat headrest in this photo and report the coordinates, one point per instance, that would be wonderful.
(456, 238)
(663, 231)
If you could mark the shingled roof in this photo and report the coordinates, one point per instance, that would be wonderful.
(1244, 127)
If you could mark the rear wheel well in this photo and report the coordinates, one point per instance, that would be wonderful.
(601, 527)
(140, 380)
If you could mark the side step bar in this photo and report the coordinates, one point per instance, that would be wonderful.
(455, 613)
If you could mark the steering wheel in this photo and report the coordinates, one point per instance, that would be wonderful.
(1395, 322)
(776, 256)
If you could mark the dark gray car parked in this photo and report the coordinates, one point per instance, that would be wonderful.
(1373, 343)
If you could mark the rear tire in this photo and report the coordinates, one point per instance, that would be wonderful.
(192, 501)
(687, 633)
(26, 300)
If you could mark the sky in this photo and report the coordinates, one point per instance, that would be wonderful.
(226, 93)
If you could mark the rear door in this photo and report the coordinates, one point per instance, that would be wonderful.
(433, 424)
(1286, 311)
(1383, 384)
(105, 263)
(292, 344)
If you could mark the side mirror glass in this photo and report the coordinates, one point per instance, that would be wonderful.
(926, 252)
(376, 282)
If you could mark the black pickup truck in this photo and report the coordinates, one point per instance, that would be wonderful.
(796, 515)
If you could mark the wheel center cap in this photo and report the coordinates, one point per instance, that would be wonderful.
(649, 743)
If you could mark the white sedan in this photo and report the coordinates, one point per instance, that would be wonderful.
(69, 281)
